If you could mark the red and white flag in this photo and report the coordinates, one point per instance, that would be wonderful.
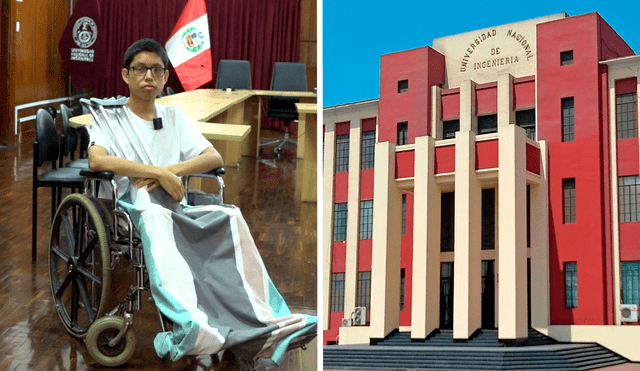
(189, 46)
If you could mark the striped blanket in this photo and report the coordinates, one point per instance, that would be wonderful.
(207, 277)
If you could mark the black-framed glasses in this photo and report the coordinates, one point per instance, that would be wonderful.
(142, 70)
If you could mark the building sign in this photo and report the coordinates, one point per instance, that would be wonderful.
(484, 54)
(85, 33)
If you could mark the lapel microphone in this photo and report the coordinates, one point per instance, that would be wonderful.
(157, 123)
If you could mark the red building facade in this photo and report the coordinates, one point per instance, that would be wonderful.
(510, 153)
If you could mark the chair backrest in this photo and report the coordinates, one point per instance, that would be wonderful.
(69, 141)
(169, 90)
(233, 74)
(287, 77)
(47, 138)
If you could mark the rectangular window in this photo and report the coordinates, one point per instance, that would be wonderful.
(568, 130)
(366, 219)
(404, 213)
(566, 57)
(527, 120)
(449, 128)
(569, 200)
(342, 153)
(340, 222)
(367, 156)
(402, 285)
(631, 283)
(626, 116)
(488, 218)
(403, 86)
(628, 198)
(447, 221)
(364, 290)
(337, 292)
(571, 285)
(403, 133)
(487, 124)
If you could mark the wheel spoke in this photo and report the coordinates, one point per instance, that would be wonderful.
(74, 302)
(80, 232)
(64, 285)
(68, 231)
(60, 254)
(84, 296)
(89, 275)
(85, 254)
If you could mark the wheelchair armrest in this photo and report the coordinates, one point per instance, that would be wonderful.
(210, 174)
(102, 175)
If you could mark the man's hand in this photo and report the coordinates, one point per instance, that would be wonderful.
(169, 181)
(150, 183)
(172, 184)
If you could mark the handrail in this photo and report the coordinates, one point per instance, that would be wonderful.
(17, 121)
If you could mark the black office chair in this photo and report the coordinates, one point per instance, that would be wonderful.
(46, 148)
(233, 74)
(285, 77)
(69, 142)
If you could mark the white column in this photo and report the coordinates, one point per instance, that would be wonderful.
(615, 220)
(467, 274)
(425, 296)
(327, 218)
(540, 245)
(506, 113)
(385, 267)
(512, 254)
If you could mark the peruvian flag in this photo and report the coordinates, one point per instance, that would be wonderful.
(189, 47)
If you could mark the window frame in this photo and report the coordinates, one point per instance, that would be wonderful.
(337, 293)
(627, 128)
(340, 230)
(366, 219)
(569, 213)
(367, 149)
(342, 153)
(570, 285)
(566, 58)
(567, 111)
(403, 133)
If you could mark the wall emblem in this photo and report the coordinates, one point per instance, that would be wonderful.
(193, 39)
(85, 32)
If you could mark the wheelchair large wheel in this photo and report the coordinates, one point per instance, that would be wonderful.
(79, 264)
(101, 333)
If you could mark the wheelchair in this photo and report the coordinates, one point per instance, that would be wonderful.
(89, 236)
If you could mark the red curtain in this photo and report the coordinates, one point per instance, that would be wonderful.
(262, 32)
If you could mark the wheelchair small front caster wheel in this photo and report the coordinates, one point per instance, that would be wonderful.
(101, 332)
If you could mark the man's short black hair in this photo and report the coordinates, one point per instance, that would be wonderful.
(145, 45)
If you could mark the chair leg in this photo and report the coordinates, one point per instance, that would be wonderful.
(34, 222)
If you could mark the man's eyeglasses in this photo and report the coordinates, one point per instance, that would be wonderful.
(142, 70)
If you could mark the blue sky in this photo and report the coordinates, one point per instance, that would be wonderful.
(356, 33)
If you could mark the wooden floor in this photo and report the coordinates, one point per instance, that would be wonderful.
(31, 334)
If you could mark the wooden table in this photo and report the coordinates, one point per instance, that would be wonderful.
(307, 150)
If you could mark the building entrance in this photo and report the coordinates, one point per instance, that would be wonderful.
(446, 295)
(488, 295)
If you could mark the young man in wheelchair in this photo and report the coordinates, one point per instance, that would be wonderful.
(205, 272)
